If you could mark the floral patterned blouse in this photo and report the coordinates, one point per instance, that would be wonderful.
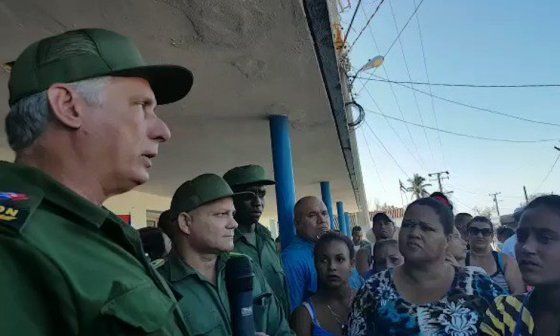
(378, 308)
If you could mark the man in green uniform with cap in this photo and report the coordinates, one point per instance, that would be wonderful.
(202, 211)
(83, 128)
(251, 237)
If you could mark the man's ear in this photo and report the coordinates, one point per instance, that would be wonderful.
(184, 222)
(66, 105)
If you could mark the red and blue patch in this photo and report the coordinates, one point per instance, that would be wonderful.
(13, 210)
(14, 197)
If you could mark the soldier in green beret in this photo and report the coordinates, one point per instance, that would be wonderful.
(83, 127)
(202, 211)
(251, 237)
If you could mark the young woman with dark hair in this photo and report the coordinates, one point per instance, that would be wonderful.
(538, 255)
(326, 312)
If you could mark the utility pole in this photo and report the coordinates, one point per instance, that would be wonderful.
(440, 177)
(525, 192)
(495, 196)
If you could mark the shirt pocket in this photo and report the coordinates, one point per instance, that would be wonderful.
(261, 303)
(143, 310)
(276, 276)
(205, 323)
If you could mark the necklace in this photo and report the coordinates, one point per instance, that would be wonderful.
(336, 316)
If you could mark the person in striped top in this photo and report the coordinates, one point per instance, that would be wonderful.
(538, 255)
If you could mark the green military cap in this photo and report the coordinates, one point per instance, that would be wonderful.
(199, 191)
(88, 53)
(247, 175)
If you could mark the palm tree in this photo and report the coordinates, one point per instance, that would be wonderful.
(418, 186)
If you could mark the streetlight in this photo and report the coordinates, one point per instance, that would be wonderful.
(372, 63)
(375, 62)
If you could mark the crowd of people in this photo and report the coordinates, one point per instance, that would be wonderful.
(83, 126)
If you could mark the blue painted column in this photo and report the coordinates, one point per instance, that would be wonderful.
(327, 199)
(348, 222)
(284, 177)
(341, 218)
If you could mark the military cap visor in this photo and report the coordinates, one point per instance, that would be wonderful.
(170, 83)
(90, 53)
(249, 175)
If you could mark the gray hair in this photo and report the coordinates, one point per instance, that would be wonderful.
(29, 116)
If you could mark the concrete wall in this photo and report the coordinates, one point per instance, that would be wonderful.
(135, 204)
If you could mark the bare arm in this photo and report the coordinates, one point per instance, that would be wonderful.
(300, 322)
(513, 276)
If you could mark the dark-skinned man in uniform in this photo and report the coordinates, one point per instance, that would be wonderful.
(202, 213)
(251, 237)
(83, 127)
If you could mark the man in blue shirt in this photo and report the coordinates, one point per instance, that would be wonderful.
(311, 221)
(509, 245)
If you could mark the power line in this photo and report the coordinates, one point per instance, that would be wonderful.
(462, 203)
(549, 172)
(483, 109)
(396, 102)
(463, 134)
(420, 163)
(403, 28)
(386, 150)
(410, 77)
(428, 79)
(466, 85)
(366, 25)
(351, 21)
(396, 38)
(373, 162)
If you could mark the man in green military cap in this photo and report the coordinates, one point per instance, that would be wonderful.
(251, 237)
(202, 210)
(83, 126)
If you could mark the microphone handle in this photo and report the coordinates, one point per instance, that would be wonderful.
(243, 323)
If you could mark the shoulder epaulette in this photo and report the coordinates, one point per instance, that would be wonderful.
(15, 208)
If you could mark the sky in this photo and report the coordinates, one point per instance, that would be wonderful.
(464, 42)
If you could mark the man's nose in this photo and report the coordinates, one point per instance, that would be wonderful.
(232, 223)
(159, 130)
(256, 201)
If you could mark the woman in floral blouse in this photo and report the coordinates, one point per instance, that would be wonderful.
(426, 295)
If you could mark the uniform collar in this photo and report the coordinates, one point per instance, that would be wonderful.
(260, 231)
(28, 178)
(179, 270)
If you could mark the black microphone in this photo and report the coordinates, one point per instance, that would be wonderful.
(239, 283)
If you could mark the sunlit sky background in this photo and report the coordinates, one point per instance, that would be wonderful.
(474, 42)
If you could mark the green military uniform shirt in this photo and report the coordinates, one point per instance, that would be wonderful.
(206, 307)
(69, 267)
(265, 255)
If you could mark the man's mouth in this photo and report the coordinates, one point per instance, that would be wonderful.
(148, 158)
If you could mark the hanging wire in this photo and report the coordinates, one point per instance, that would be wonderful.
(463, 134)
